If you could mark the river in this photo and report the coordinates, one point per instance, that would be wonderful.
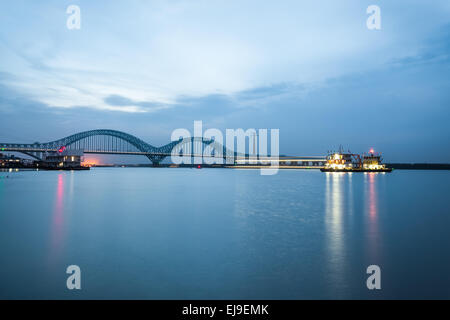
(180, 233)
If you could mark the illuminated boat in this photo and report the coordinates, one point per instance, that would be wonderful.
(350, 162)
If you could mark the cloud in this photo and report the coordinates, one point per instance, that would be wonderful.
(153, 53)
(434, 50)
(145, 106)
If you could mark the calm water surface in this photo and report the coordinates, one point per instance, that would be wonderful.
(150, 233)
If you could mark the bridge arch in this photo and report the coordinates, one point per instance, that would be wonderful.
(138, 143)
(154, 154)
(134, 141)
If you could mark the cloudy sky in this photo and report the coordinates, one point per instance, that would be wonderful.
(310, 68)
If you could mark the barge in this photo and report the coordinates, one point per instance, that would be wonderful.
(349, 162)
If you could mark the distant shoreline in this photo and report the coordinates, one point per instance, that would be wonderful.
(396, 166)
(419, 166)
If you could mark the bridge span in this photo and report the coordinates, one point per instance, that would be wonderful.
(106, 141)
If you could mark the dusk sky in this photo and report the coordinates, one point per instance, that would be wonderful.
(309, 68)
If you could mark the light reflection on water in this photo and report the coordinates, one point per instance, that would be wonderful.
(57, 229)
(334, 213)
(340, 222)
(339, 212)
(370, 180)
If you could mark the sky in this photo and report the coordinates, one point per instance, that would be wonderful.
(311, 69)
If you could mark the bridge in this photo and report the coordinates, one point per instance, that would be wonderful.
(106, 141)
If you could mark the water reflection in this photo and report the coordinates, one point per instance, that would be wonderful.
(1, 187)
(340, 217)
(371, 198)
(57, 219)
(335, 210)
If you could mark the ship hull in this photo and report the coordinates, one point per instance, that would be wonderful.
(355, 170)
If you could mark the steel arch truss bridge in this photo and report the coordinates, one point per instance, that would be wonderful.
(105, 141)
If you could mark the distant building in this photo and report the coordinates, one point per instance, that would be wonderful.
(63, 159)
(9, 161)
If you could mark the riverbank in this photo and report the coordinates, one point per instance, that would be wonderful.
(419, 166)
(397, 166)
